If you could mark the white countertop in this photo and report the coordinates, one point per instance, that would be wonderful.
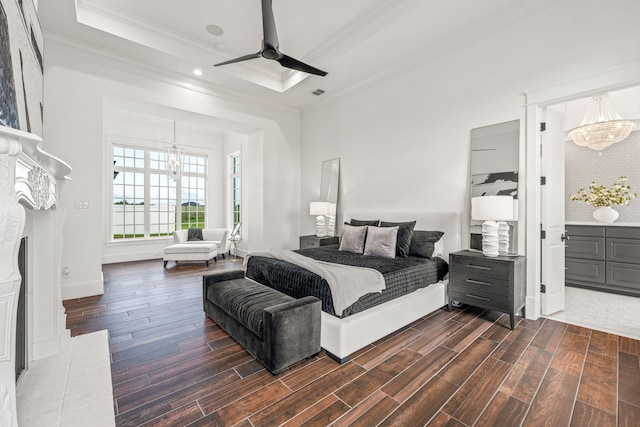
(604, 224)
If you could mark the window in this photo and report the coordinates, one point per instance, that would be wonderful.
(235, 190)
(147, 203)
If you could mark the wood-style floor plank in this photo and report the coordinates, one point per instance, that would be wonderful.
(172, 366)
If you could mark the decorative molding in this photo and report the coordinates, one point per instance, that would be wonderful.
(34, 186)
(7, 405)
(127, 65)
(6, 311)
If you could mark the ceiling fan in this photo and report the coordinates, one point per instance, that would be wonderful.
(270, 46)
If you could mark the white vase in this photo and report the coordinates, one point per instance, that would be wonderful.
(605, 214)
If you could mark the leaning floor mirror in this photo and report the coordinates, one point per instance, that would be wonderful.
(494, 172)
(329, 190)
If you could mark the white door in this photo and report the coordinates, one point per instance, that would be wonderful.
(552, 214)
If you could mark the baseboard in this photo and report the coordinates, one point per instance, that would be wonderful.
(132, 256)
(82, 289)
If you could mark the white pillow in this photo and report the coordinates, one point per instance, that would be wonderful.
(352, 239)
(381, 241)
(438, 249)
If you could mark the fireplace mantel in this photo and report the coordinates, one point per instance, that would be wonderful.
(29, 177)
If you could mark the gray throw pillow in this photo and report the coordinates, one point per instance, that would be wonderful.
(405, 233)
(423, 243)
(360, 222)
(381, 241)
(352, 239)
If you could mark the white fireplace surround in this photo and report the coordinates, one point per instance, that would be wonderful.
(29, 178)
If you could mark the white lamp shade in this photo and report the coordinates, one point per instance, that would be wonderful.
(492, 208)
(322, 208)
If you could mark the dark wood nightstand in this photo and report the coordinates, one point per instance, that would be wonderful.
(315, 241)
(493, 283)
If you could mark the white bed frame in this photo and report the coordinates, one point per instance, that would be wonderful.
(342, 337)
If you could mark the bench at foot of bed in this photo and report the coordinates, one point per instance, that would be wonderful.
(276, 329)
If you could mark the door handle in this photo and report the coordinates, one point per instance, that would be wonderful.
(564, 237)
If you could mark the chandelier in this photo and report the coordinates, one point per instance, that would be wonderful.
(174, 158)
(602, 126)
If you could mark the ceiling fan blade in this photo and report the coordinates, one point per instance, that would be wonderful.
(242, 58)
(270, 36)
(294, 64)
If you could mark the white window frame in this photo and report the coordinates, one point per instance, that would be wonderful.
(146, 145)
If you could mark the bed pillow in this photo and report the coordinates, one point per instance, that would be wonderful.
(381, 241)
(405, 232)
(352, 239)
(360, 222)
(423, 243)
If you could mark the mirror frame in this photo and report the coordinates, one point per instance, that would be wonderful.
(497, 149)
(329, 182)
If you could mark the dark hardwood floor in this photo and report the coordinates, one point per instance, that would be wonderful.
(171, 366)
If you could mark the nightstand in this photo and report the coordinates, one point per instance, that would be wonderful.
(315, 241)
(496, 283)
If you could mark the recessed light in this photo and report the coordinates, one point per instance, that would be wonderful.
(219, 46)
(197, 72)
(215, 30)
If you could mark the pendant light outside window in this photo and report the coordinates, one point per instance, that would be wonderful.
(602, 126)
(174, 158)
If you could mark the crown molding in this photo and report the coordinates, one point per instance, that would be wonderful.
(127, 65)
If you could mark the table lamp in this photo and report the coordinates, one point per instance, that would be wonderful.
(320, 210)
(494, 211)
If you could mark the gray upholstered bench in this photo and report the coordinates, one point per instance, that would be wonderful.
(276, 329)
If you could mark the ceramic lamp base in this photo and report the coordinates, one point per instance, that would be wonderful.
(503, 237)
(490, 241)
(321, 229)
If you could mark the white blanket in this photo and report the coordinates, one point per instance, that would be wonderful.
(347, 283)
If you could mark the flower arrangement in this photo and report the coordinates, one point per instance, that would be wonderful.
(600, 196)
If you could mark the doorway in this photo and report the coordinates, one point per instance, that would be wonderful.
(622, 77)
(583, 303)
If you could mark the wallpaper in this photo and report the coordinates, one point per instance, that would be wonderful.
(583, 165)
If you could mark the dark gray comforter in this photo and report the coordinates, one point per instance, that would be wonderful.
(402, 276)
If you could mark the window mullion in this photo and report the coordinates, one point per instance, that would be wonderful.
(147, 197)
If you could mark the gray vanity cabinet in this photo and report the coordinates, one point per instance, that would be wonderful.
(605, 258)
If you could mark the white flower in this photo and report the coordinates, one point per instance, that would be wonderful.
(599, 195)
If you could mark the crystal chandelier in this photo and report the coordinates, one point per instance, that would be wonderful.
(602, 126)
(174, 158)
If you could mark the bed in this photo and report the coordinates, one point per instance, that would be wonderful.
(414, 286)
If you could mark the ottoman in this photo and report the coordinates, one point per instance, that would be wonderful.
(276, 329)
(191, 251)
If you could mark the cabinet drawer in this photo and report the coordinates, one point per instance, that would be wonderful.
(624, 232)
(585, 230)
(626, 275)
(481, 283)
(585, 247)
(623, 250)
(484, 300)
(584, 270)
(309, 243)
(481, 267)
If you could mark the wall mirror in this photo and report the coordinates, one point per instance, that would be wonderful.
(495, 157)
(329, 188)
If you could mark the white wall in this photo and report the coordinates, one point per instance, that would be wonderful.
(404, 142)
(78, 85)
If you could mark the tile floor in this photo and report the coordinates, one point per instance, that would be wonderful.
(618, 314)
(72, 388)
